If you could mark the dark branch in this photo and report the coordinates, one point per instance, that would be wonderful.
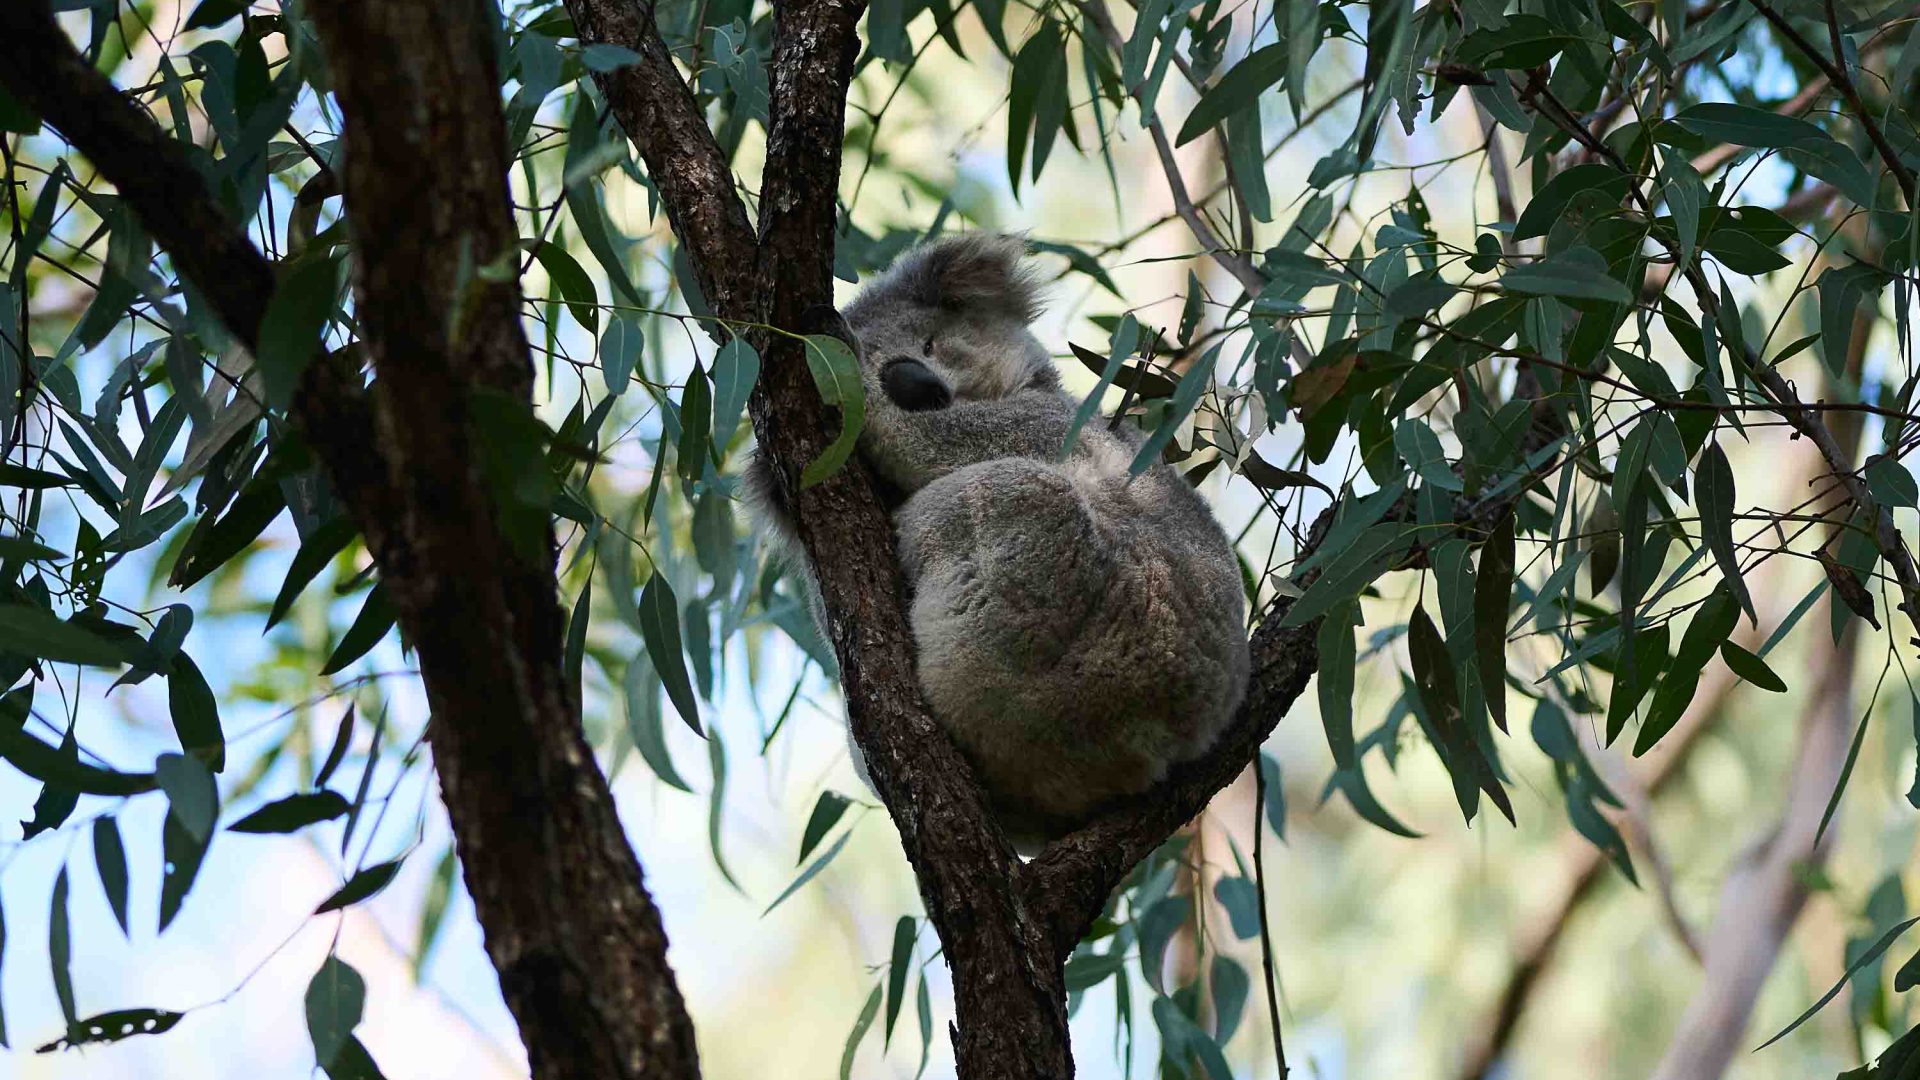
(154, 174)
(660, 116)
(576, 940)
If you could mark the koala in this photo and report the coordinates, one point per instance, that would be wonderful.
(1076, 631)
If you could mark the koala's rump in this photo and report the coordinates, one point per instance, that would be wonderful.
(1074, 638)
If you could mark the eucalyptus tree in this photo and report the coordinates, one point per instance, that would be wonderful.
(300, 234)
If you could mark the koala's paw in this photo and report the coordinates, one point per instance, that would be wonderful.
(913, 386)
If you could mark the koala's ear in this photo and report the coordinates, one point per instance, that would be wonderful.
(980, 271)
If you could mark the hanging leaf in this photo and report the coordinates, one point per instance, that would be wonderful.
(293, 813)
(361, 886)
(827, 810)
(859, 1032)
(193, 799)
(1185, 396)
(35, 631)
(60, 946)
(109, 1027)
(1335, 679)
(660, 626)
(1492, 594)
(1751, 668)
(1871, 954)
(836, 374)
(899, 964)
(809, 873)
(335, 998)
(195, 713)
(302, 305)
(735, 369)
(1714, 491)
(110, 859)
(376, 617)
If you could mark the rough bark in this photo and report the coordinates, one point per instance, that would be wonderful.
(424, 174)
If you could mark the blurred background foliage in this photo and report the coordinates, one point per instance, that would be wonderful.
(1318, 248)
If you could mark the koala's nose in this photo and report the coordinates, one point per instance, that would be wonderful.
(913, 385)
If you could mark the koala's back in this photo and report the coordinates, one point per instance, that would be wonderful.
(1077, 631)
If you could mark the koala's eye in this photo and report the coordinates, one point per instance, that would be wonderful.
(927, 349)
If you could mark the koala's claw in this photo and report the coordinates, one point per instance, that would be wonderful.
(913, 385)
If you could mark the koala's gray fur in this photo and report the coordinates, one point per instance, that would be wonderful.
(1076, 633)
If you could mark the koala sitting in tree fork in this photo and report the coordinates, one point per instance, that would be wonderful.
(1076, 631)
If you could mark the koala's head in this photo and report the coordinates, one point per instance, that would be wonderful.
(949, 321)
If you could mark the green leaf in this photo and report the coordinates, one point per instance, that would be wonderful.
(899, 964)
(212, 13)
(1751, 668)
(1276, 803)
(433, 910)
(1803, 143)
(60, 946)
(195, 713)
(660, 627)
(44, 763)
(1714, 492)
(258, 505)
(1359, 561)
(642, 687)
(110, 859)
(859, 1032)
(716, 796)
(336, 997)
(735, 369)
(1421, 448)
(20, 476)
(1492, 595)
(1890, 482)
(827, 810)
(293, 813)
(1041, 64)
(21, 549)
(369, 626)
(696, 422)
(1550, 202)
(836, 373)
(1578, 273)
(361, 886)
(1241, 900)
(34, 631)
(1231, 987)
(354, 1063)
(570, 278)
(290, 330)
(1238, 89)
(576, 647)
(1185, 396)
(1124, 340)
(620, 350)
(1706, 631)
(1873, 953)
(316, 551)
(193, 798)
(1524, 41)
(110, 1027)
(1336, 682)
(604, 58)
(181, 856)
(342, 738)
(809, 873)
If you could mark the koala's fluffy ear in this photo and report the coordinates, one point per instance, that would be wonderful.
(981, 271)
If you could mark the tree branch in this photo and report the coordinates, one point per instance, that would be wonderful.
(660, 116)
(472, 583)
(154, 174)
